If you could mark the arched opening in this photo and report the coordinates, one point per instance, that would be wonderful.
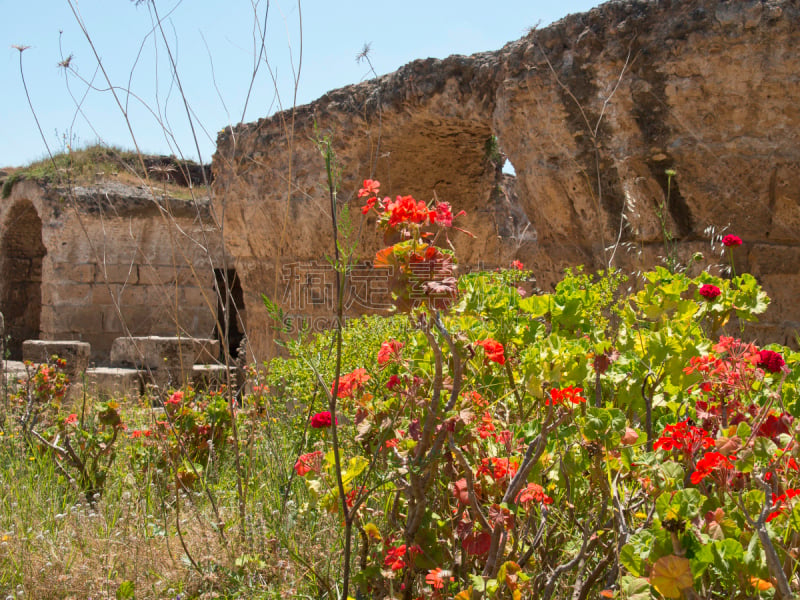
(22, 252)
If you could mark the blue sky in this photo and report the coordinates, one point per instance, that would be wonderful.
(212, 44)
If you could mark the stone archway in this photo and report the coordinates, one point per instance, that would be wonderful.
(21, 254)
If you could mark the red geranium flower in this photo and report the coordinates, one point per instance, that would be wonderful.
(389, 352)
(533, 492)
(71, 420)
(308, 462)
(370, 203)
(710, 462)
(395, 557)
(570, 393)
(498, 468)
(321, 420)
(683, 436)
(349, 383)
(371, 188)
(443, 215)
(731, 240)
(175, 398)
(436, 577)
(709, 292)
(780, 502)
(393, 382)
(517, 265)
(406, 209)
(770, 361)
(494, 350)
(486, 428)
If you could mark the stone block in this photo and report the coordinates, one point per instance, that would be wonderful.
(198, 297)
(12, 374)
(64, 293)
(206, 351)
(165, 358)
(117, 273)
(106, 382)
(157, 275)
(152, 351)
(75, 353)
(77, 320)
(72, 273)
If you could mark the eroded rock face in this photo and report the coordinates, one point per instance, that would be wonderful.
(591, 112)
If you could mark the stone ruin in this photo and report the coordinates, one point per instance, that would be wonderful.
(124, 283)
(98, 263)
(591, 112)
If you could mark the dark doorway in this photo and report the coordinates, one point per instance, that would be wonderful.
(230, 311)
(22, 252)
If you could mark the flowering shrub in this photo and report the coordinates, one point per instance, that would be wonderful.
(590, 442)
(193, 427)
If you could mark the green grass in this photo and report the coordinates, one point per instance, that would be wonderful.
(84, 166)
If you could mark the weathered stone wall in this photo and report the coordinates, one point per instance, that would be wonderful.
(590, 111)
(112, 262)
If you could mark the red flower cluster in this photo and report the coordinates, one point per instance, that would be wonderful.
(321, 420)
(486, 428)
(517, 265)
(175, 398)
(780, 502)
(533, 492)
(407, 210)
(710, 462)
(349, 383)
(436, 577)
(683, 436)
(443, 214)
(494, 350)
(389, 352)
(395, 557)
(731, 240)
(371, 188)
(770, 361)
(709, 291)
(393, 382)
(498, 468)
(309, 462)
(568, 394)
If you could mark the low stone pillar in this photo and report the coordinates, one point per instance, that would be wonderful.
(206, 351)
(76, 354)
(166, 361)
(117, 383)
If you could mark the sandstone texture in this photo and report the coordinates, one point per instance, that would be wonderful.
(591, 112)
